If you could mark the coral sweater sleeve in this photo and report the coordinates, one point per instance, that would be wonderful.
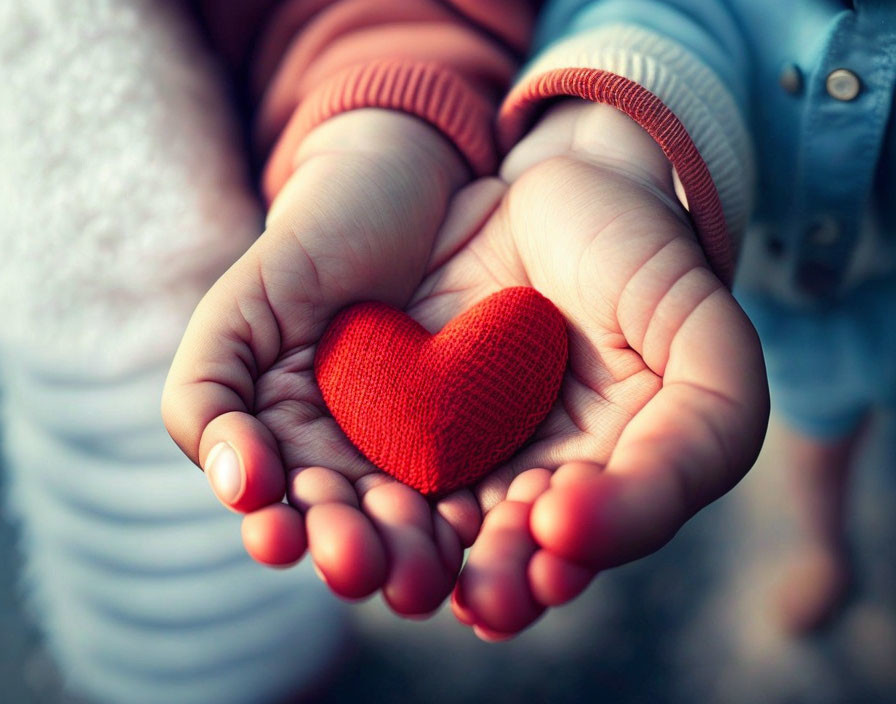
(447, 62)
(680, 69)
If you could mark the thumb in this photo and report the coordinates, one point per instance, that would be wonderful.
(691, 443)
(208, 399)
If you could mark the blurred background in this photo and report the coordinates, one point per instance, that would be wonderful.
(690, 623)
(123, 194)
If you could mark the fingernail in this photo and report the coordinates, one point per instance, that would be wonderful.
(224, 472)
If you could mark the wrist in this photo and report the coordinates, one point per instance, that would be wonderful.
(386, 134)
(600, 135)
(398, 142)
(381, 156)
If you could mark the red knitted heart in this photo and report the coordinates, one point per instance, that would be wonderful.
(437, 412)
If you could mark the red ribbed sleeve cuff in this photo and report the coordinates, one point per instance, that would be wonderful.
(521, 107)
(431, 92)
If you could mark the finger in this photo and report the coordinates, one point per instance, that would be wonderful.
(573, 472)
(335, 550)
(448, 543)
(346, 549)
(525, 489)
(461, 511)
(461, 611)
(418, 578)
(275, 535)
(691, 443)
(243, 465)
(554, 580)
(493, 591)
(328, 495)
(529, 485)
(490, 636)
(318, 485)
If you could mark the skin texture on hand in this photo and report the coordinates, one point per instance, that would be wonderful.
(662, 409)
(665, 401)
(356, 221)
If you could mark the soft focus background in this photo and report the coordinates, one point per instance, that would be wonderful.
(688, 624)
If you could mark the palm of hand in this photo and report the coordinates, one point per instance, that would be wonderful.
(663, 398)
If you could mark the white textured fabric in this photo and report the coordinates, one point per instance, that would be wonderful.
(686, 86)
(113, 176)
(123, 196)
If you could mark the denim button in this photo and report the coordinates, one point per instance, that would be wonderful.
(843, 84)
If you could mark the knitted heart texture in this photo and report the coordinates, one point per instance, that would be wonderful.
(438, 412)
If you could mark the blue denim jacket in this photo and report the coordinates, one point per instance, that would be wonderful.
(826, 154)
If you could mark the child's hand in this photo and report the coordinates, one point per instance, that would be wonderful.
(664, 404)
(356, 221)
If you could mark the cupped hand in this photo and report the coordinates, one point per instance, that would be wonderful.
(356, 221)
(664, 404)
